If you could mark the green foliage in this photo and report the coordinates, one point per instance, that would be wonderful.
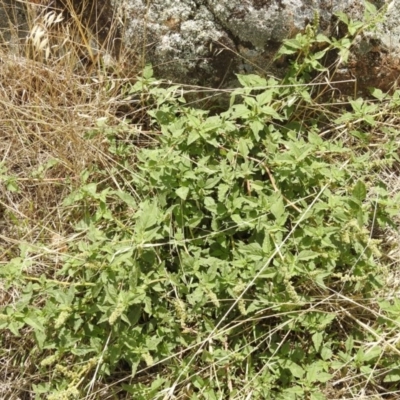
(226, 253)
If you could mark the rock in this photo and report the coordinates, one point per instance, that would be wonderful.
(207, 41)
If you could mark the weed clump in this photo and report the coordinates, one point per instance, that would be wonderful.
(235, 255)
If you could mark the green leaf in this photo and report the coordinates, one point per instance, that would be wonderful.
(147, 71)
(305, 255)
(242, 147)
(40, 337)
(323, 377)
(377, 93)
(292, 43)
(267, 110)
(326, 353)
(317, 396)
(147, 216)
(239, 111)
(317, 340)
(14, 327)
(372, 353)
(182, 192)
(236, 218)
(285, 50)
(212, 123)
(313, 371)
(12, 186)
(127, 198)
(315, 139)
(33, 321)
(295, 369)
(209, 202)
(343, 17)
(256, 127)
(212, 182)
(90, 188)
(294, 390)
(349, 344)
(264, 97)
(252, 80)
(360, 191)
(392, 376)
(370, 9)
(222, 191)
(278, 208)
(366, 370)
(192, 137)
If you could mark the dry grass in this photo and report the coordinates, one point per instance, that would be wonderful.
(49, 101)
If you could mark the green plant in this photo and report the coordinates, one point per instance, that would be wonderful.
(239, 258)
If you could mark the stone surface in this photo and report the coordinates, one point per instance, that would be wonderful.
(205, 42)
